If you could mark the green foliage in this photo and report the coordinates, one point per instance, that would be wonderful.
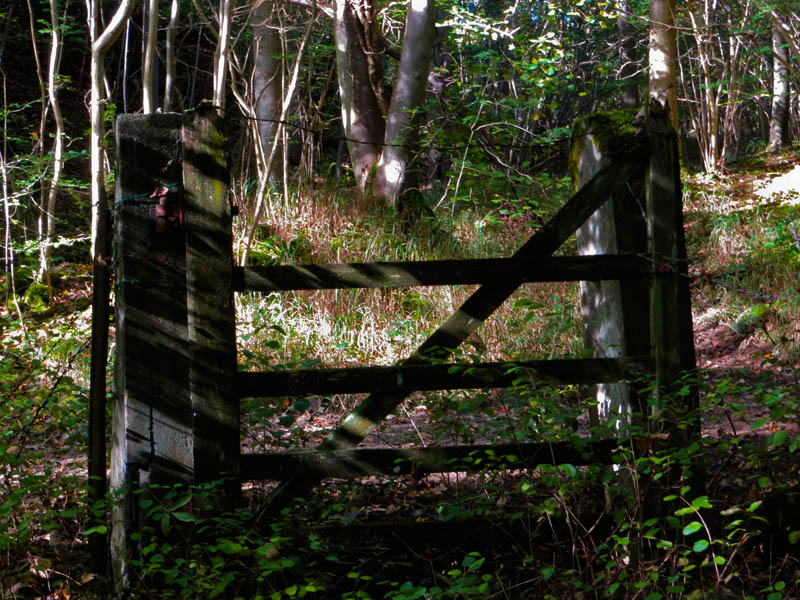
(41, 407)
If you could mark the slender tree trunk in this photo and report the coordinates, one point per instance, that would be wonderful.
(100, 46)
(393, 176)
(8, 248)
(100, 269)
(737, 64)
(779, 121)
(221, 53)
(269, 160)
(149, 82)
(169, 58)
(42, 274)
(267, 86)
(627, 45)
(58, 148)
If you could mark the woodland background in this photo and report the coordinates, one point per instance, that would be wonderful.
(462, 159)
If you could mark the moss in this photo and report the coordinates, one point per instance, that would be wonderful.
(37, 298)
(611, 130)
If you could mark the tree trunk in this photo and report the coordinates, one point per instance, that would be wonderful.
(169, 58)
(58, 148)
(100, 268)
(358, 58)
(39, 144)
(627, 46)
(221, 53)
(267, 83)
(779, 121)
(149, 82)
(393, 176)
(100, 46)
(663, 56)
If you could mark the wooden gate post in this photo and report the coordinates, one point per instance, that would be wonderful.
(615, 313)
(670, 303)
(152, 434)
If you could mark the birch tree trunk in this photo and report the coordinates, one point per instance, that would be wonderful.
(58, 148)
(221, 53)
(169, 57)
(706, 116)
(267, 161)
(100, 269)
(148, 67)
(39, 139)
(393, 176)
(100, 46)
(267, 86)
(779, 120)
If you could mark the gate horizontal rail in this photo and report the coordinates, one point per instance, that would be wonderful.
(361, 462)
(439, 272)
(445, 376)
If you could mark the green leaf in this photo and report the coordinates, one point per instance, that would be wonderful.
(184, 517)
(780, 437)
(692, 528)
(700, 545)
(754, 506)
(701, 502)
(102, 529)
(569, 469)
(547, 572)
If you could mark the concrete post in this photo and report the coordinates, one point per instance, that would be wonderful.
(151, 426)
(615, 313)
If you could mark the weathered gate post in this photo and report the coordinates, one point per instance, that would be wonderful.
(174, 416)
(151, 423)
(670, 301)
(615, 313)
(211, 318)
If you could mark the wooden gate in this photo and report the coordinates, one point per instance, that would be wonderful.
(178, 388)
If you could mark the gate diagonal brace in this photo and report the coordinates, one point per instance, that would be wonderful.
(472, 313)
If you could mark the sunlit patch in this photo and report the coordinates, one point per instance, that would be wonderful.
(394, 172)
(419, 5)
(784, 188)
(358, 425)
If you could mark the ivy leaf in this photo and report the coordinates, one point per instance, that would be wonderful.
(692, 528)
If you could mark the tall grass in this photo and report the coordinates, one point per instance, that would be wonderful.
(339, 327)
